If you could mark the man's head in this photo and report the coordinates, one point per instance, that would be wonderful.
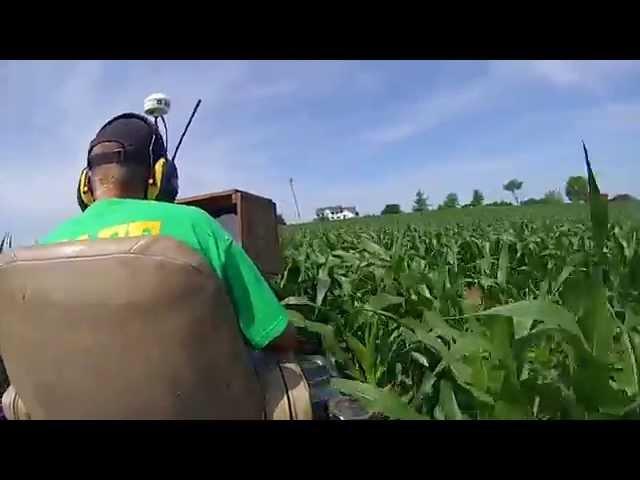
(121, 157)
(117, 180)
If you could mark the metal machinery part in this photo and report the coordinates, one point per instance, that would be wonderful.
(157, 105)
(12, 406)
(326, 402)
(285, 399)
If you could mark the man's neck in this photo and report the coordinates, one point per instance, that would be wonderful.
(104, 195)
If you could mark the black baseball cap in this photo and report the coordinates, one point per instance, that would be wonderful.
(139, 142)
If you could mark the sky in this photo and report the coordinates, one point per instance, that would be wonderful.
(353, 133)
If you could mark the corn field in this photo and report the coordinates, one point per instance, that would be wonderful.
(529, 315)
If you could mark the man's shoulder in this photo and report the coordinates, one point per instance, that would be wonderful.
(191, 214)
(173, 207)
(165, 207)
(186, 211)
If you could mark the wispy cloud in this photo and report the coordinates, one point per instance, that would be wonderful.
(500, 79)
(592, 76)
(432, 111)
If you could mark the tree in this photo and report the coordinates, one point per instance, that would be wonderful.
(478, 198)
(576, 189)
(280, 219)
(501, 203)
(391, 208)
(553, 196)
(451, 201)
(513, 186)
(420, 203)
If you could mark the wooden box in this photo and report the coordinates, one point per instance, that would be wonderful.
(250, 219)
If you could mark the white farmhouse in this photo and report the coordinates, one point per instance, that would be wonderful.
(337, 213)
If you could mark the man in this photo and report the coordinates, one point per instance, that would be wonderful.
(120, 208)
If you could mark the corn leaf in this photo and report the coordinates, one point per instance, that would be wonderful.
(377, 400)
(448, 403)
(323, 284)
(598, 207)
(524, 313)
(383, 300)
(503, 265)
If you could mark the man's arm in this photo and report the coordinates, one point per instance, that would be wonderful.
(286, 343)
(263, 320)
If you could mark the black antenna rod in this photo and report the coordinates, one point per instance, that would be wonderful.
(193, 114)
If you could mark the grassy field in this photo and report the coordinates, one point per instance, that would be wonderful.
(488, 312)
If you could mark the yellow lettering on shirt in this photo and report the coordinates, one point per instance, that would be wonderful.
(82, 237)
(138, 229)
(117, 231)
(133, 229)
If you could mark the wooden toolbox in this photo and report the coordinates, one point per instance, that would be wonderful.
(250, 219)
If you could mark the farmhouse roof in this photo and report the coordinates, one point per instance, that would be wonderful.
(337, 209)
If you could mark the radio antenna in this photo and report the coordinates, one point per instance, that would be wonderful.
(193, 114)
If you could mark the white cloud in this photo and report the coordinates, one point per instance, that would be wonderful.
(501, 78)
(592, 76)
(433, 111)
(561, 73)
(258, 92)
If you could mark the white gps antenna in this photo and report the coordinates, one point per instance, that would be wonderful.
(157, 105)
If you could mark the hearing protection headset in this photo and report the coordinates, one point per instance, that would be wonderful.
(163, 179)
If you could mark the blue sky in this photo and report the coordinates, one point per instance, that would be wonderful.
(353, 133)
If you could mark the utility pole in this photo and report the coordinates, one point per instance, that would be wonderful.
(295, 200)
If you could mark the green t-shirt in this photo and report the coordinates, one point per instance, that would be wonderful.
(259, 313)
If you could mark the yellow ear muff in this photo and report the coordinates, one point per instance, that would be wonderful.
(155, 182)
(85, 188)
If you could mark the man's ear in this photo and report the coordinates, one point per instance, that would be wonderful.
(85, 189)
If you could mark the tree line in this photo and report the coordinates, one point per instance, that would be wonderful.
(576, 190)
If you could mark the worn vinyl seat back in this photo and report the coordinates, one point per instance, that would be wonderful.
(133, 328)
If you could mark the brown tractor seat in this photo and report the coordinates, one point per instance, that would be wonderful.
(131, 328)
